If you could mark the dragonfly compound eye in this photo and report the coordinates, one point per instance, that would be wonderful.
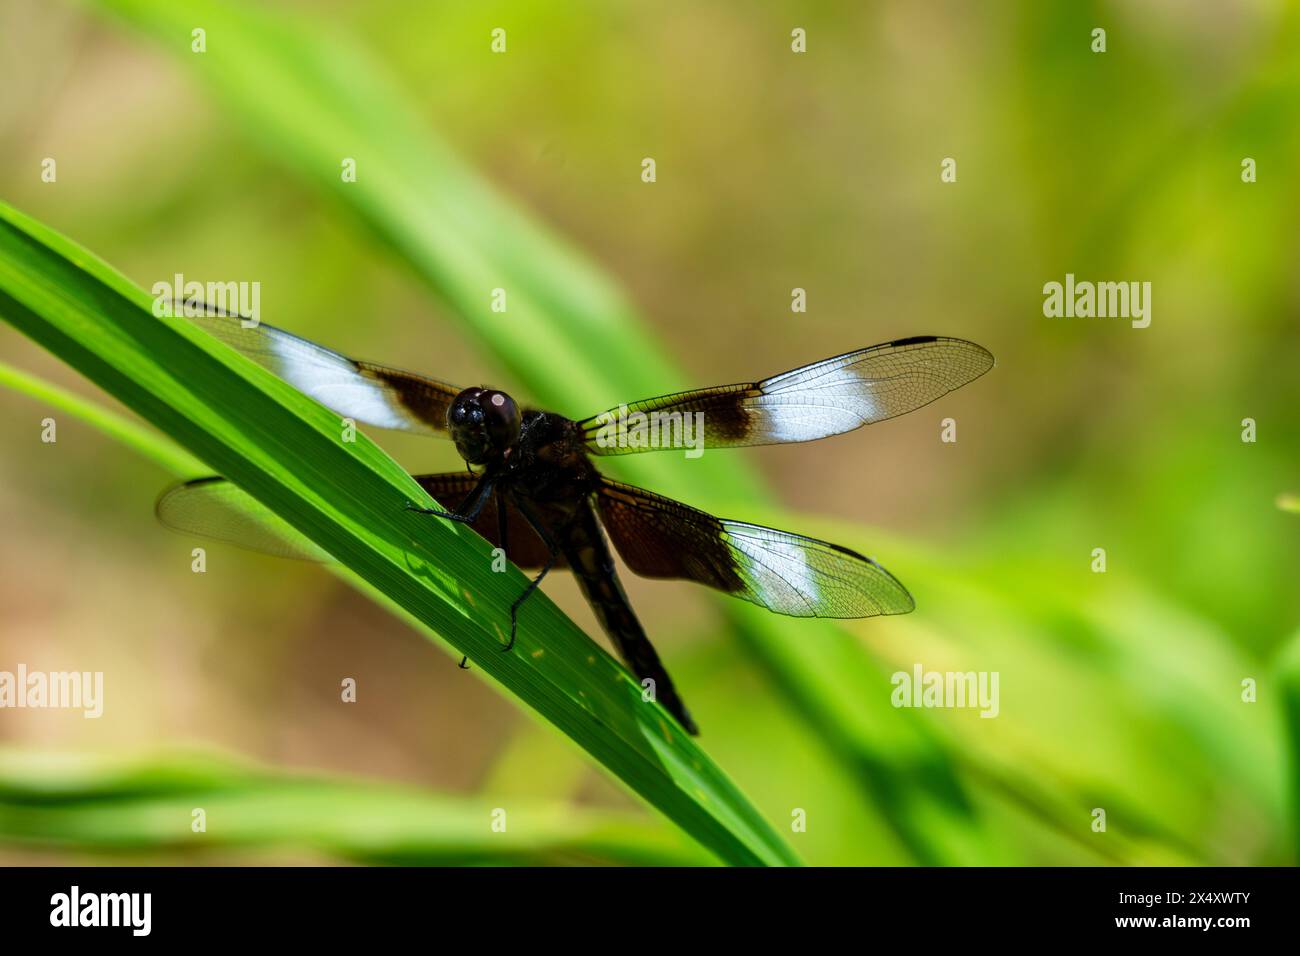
(483, 423)
(502, 418)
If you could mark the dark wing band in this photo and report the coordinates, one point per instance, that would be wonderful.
(523, 546)
(827, 398)
(220, 509)
(785, 573)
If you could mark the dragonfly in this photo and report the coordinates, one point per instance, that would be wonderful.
(532, 488)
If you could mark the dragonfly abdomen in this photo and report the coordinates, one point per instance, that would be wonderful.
(592, 563)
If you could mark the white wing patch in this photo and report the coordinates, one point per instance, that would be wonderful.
(365, 392)
(803, 577)
(846, 392)
(335, 382)
(830, 397)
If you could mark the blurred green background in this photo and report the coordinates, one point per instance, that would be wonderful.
(776, 170)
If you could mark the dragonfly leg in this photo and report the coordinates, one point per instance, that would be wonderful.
(503, 536)
(532, 586)
(551, 546)
(469, 509)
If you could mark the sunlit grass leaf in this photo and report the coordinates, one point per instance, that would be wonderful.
(1288, 672)
(1163, 758)
(350, 499)
(30, 778)
(85, 804)
(134, 436)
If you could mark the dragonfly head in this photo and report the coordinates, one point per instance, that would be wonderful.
(484, 423)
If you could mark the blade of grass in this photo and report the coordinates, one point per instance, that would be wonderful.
(535, 744)
(82, 803)
(310, 99)
(349, 497)
(139, 439)
(1288, 674)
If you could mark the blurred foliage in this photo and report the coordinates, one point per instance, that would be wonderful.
(1121, 690)
(91, 805)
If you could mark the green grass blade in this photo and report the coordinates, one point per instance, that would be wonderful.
(84, 804)
(350, 497)
(139, 439)
(536, 744)
(1288, 674)
(311, 98)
